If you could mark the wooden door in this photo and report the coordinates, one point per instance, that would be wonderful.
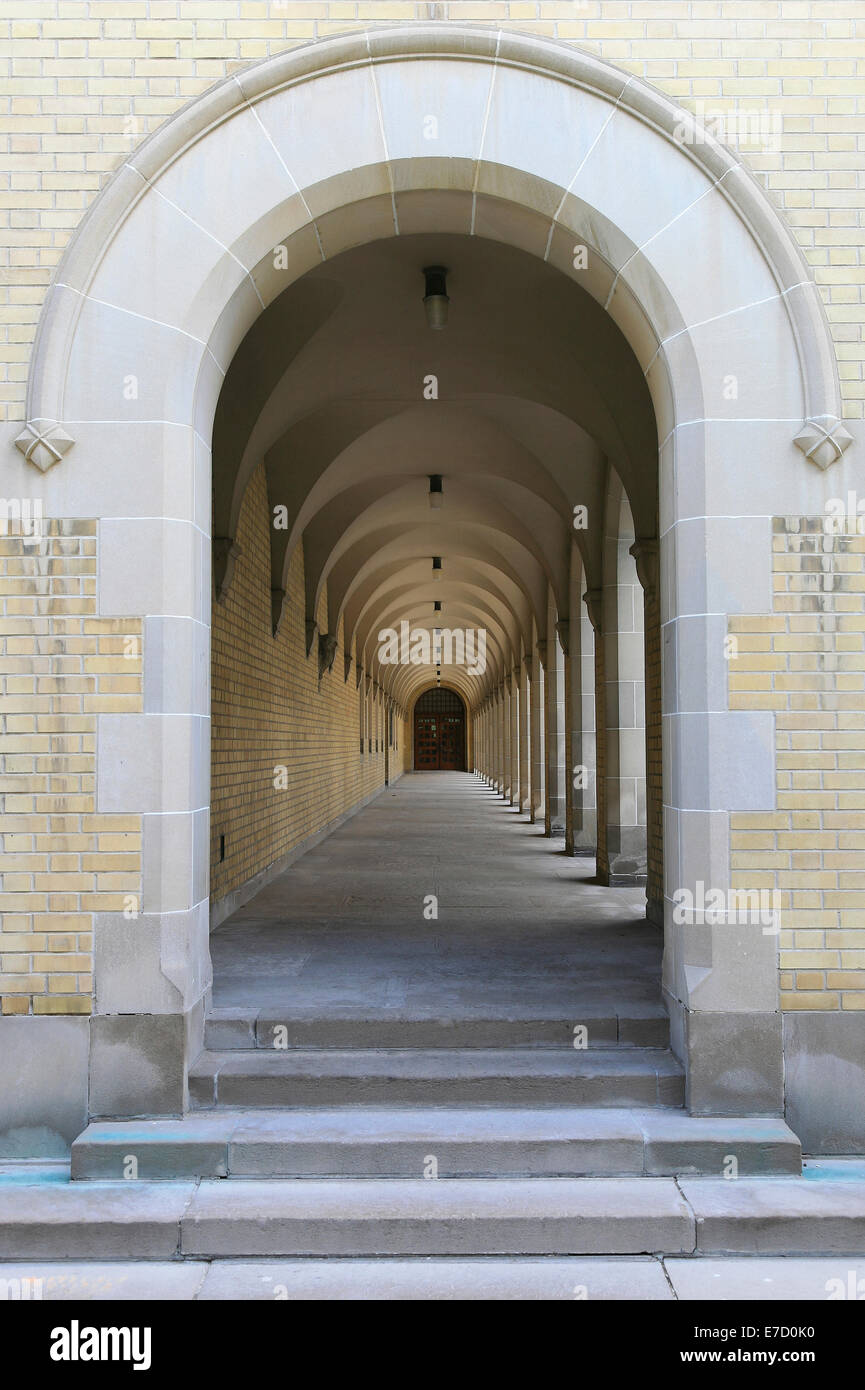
(439, 732)
(451, 752)
(426, 743)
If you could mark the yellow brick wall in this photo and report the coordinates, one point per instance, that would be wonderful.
(83, 83)
(86, 80)
(63, 665)
(806, 662)
(269, 710)
(61, 861)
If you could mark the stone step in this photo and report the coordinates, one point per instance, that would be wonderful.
(369, 1142)
(334, 1217)
(593, 1278)
(356, 1280)
(500, 1076)
(226, 1029)
(398, 1217)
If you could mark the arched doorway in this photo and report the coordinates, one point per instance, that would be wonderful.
(326, 150)
(439, 732)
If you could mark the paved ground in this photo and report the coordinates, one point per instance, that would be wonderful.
(595, 1279)
(520, 926)
(522, 932)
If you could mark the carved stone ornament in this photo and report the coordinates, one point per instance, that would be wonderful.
(43, 443)
(226, 552)
(823, 441)
(326, 653)
(277, 600)
(646, 554)
(594, 601)
(563, 632)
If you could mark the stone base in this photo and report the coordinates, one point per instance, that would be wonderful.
(733, 1062)
(43, 1085)
(824, 1057)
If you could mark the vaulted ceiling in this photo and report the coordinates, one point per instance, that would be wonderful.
(523, 404)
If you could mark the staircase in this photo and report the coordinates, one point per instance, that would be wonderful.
(483, 1158)
(419, 1098)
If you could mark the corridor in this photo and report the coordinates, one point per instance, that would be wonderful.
(523, 932)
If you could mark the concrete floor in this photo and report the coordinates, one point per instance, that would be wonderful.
(522, 931)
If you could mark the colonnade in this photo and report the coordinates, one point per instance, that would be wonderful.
(561, 736)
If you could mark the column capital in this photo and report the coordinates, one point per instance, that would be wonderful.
(327, 645)
(594, 601)
(541, 650)
(563, 632)
(646, 554)
(277, 605)
(226, 553)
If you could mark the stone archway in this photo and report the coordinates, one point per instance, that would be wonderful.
(327, 148)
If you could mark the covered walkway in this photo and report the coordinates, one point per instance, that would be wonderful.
(522, 931)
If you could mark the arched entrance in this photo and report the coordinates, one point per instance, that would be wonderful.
(439, 732)
(276, 171)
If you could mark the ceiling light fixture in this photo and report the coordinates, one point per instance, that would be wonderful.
(436, 495)
(437, 567)
(435, 300)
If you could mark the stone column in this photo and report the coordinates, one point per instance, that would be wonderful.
(515, 736)
(584, 766)
(624, 692)
(488, 721)
(152, 965)
(525, 795)
(563, 632)
(645, 553)
(503, 737)
(487, 751)
(554, 816)
(537, 724)
(505, 787)
(513, 745)
(489, 741)
(594, 679)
